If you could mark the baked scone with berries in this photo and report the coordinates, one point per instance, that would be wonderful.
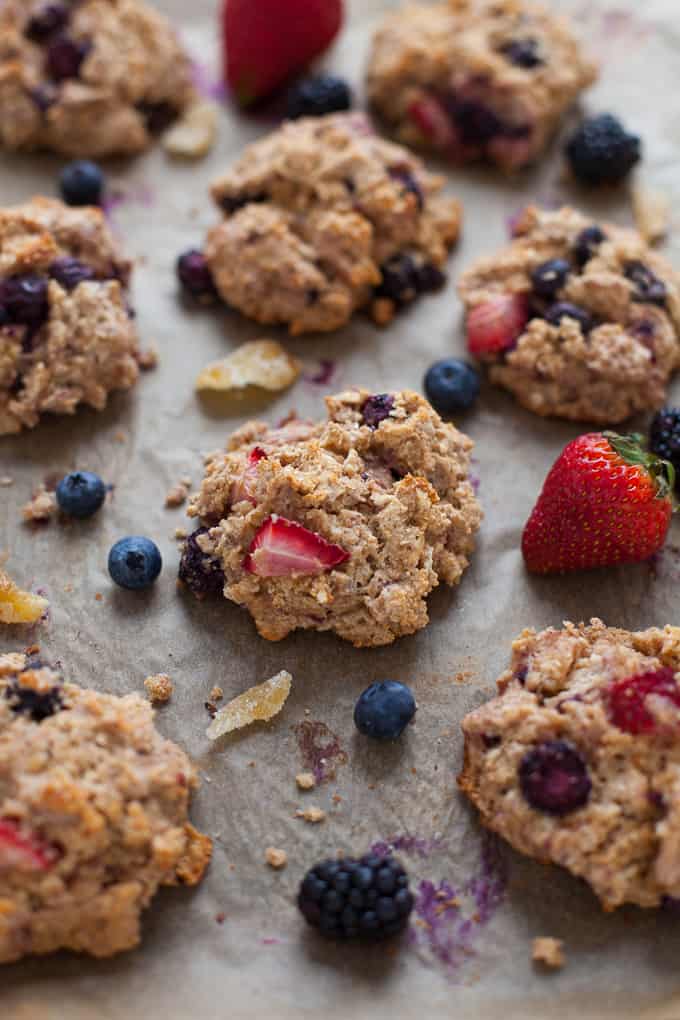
(93, 815)
(476, 79)
(577, 761)
(67, 336)
(578, 320)
(345, 525)
(88, 77)
(323, 217)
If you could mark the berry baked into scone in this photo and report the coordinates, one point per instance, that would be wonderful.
(93, 815)
(322, 217)
(66, 331)
(578, 320)
(476, 79)
(88, 77)
(345, 525)
(576, 761)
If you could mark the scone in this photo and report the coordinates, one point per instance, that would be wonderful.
(93, 815)
(577, 761)
(476, 79)
(67, 336)
(578, 320)
(345, 525)
(88, 78)
(322, 217)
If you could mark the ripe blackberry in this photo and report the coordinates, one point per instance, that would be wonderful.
(349, 899)
(318, 96)
(664, 438)
(602, 151)
(200, 573)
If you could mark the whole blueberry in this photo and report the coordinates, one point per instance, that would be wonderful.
(318, 96)
(135, 562)
(451, 385)
(550, 277)
(81, 494)
(65, 55)
(81, 183)
(554, 778)
(384, 710)
(587, 243)
(69, 272)
(648, 287)
(565, 310)
(194, 275)
(24, 299)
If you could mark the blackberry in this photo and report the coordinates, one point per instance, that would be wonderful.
(554, 778)
(38, 704)
(664, 438)
(550, 277)
(602, 151)
(587, 243)
(377, 408)
(202, 574)
(47, 20)
(367, 899)
(317, 96)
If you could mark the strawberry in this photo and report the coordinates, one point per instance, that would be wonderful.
(494, 325)
(242, 488)
(283, 548)
(433, 121)
(606, 500)
(266, 42)
(23, 851)
(627, 699)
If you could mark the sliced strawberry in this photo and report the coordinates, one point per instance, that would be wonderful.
(283, 548)
(243, 487)
(23, 851)
(494, 326)
(266, 42)
(433, 121)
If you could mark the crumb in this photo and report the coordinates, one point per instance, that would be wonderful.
(186, 480)
(276, 859)
(191, 868)
(216, 694)
(177, 495)
(314, 815)
(651, 211)
(305, 780)
(194, 134)
(120, 436)
(252, 764)
(383, 311)
(159, 687)
(463, 677)
(148, 359)
(41, 506)
(33, 650)
(5, 481)
(180, 533)
(336, 798)
(548, 951)
(99, 597)
(220, 918)
(211, 709)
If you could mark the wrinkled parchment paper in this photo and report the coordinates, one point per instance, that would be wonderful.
(465, 961)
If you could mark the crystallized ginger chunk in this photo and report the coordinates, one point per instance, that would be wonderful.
(257, 704)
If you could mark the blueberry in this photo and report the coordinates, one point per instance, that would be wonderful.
(399, 279)
(65, 55)
(194, 274)
(317, 96)
(81, 183)
(451, 385)
(69, 272)
(135, 562)
(565, 310)
(377, 408)
(554, 778)
(602, 151)
(405, 177)
(648, 287)
(587, 243)
(384, 710)
(81, 494)
(550, 277)
(523, 53)
(24, 299)
(47, 20)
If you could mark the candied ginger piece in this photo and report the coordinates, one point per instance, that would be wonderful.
(257, 704)
(17, 606)
(263, 363)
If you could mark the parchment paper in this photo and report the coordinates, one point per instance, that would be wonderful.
(260, 962)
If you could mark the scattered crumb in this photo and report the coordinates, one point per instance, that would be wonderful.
(191, 867)
(148, 359)
(33, 650)
(98, 597)
(276, 859)
(651, 211)
(382, 311)
(263, 363)
(17, 606)
(177, 495)
(159, 687)
(252, 764)
(220, 918)
(68, 588)
(305, 780)
(120, 436)
(312, 814)
(180, 533)
(549, 952)
(216, 694)
(194, 135)
(211, 709)
(41, 506)
(336, 798)
(258, 704)
(5, 481)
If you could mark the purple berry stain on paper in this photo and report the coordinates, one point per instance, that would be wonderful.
(407, 843)
(320, 749)
(323, 374)
(206, 83)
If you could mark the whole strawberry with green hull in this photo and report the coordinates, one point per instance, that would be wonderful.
(267, 42)
(607, 500)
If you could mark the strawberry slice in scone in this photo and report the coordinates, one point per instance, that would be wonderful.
(495, 324)
(22, 850)
(283, 548)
